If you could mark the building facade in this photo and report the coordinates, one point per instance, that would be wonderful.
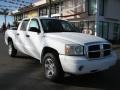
(96, 17)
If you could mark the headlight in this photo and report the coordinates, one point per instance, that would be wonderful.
(74, 49)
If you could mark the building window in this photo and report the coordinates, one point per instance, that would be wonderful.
(81, 26)
(100, 31)
(101, 7)
(119, 32)
(116, 32)
(43, 11)
(68, 4)
(92, 27)
(103, 29)
(40, 12)
(88, 26)
(57, 8)
(53, 9)
(15, 18)
(92, 7)
(73, 7)
(20, 17)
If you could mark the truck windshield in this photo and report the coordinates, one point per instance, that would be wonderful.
(55, 25)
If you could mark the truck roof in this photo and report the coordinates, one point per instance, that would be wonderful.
(41, 18)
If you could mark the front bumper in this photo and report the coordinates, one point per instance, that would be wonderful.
(83, 65)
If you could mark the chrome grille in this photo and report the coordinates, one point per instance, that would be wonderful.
(98, 50)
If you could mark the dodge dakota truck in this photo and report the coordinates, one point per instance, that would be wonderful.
(60, 47)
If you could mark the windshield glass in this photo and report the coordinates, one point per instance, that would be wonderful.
(55, 25)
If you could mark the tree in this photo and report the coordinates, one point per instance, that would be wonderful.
(5, 13)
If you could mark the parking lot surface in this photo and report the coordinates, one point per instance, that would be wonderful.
(25, 73)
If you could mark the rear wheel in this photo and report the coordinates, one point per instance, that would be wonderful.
(11, 50)
(52, 67)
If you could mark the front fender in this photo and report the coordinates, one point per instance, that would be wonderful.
(58, 45)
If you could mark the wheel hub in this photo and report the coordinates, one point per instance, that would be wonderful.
(49, 67)
(10, 49)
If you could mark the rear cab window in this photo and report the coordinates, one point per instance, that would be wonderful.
(24, 25)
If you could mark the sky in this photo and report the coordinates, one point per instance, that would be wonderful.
(9, 19)
(12, 6)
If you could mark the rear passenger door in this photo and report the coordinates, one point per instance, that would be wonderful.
(21, 36)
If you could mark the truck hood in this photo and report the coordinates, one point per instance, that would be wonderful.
(74, 38)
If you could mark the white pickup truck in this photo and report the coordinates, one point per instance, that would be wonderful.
(60, 47)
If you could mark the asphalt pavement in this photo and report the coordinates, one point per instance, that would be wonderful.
(26, 73)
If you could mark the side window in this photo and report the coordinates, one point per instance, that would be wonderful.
(24, 25)
(34, 26)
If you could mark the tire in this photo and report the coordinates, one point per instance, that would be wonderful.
(11, 50)
(52, 67)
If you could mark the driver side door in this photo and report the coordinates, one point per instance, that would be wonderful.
(34, 38)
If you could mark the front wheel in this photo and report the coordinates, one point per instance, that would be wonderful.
(52, 67)
(11, 50)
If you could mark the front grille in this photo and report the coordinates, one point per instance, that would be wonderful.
(94, 54)
(98, 50)
(94, 47)
(107, 52)
(106, 46)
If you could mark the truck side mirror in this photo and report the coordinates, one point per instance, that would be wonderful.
(34, 29)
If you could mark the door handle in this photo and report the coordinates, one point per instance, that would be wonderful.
(17, 34)
(27, 35)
